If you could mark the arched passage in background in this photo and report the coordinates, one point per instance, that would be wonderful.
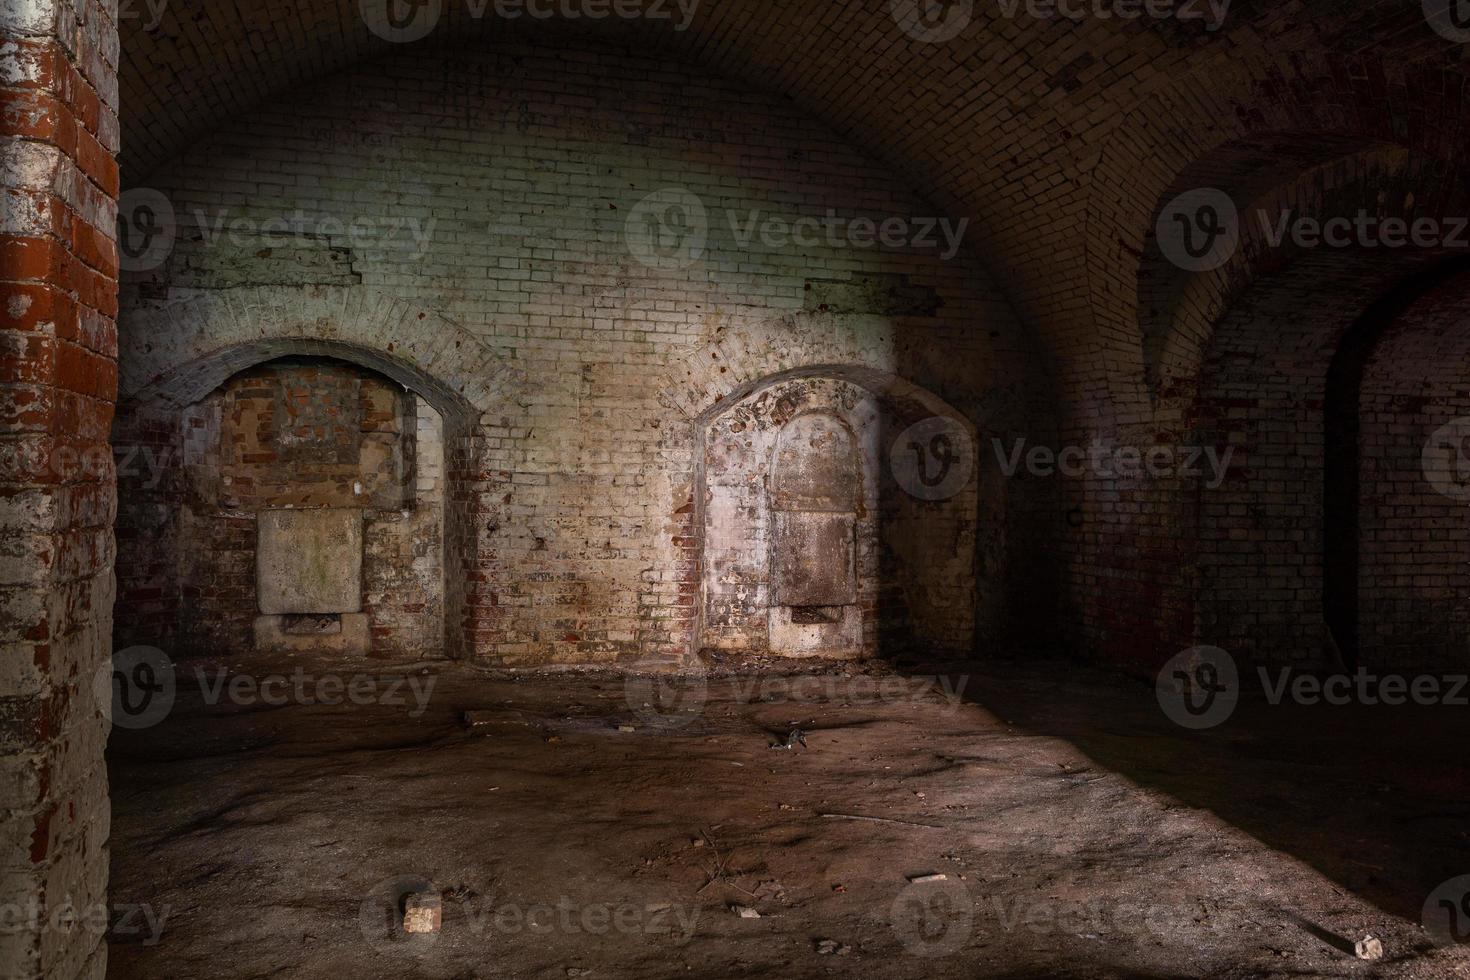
(1394, 537)
(1242, 359)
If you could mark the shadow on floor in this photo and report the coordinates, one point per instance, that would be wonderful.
(1373, 797)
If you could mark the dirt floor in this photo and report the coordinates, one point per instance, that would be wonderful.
(589, 826)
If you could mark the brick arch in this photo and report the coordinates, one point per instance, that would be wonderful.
(179, 351)
(706, 381)
(1249, 128)
(1178, 310)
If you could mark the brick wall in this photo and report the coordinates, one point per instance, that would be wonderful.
(58, 267)
(521, 167)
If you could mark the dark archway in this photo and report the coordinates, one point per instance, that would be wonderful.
(1342, 451)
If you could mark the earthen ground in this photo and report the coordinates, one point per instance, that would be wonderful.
(1080, 832)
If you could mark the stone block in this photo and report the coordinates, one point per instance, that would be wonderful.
(309, 561)
(813, 561)
(423, 913)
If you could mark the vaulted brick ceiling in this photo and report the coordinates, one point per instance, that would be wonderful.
(1056, 137)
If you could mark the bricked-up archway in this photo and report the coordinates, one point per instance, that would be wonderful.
(995, 570)
(179, 352)
(916, 578)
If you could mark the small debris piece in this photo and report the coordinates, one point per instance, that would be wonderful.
(745, 911)
(839, 888)
(771, 890)
(1369, 948)
(479, 719)
(629, 729)
(830, 947)
(925, 879)
(797, 737)
(574, 971)
(423, 913)
(552, 739)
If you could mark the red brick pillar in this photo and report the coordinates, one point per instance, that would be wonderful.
(58, 379)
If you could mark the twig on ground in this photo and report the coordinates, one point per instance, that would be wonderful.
(901, 823)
